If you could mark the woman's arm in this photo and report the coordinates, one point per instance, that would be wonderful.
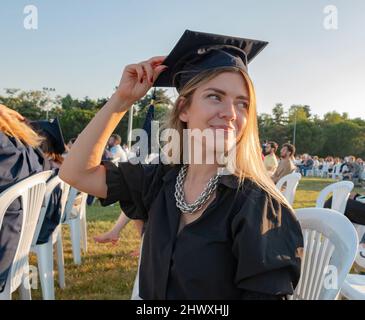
(81, 168)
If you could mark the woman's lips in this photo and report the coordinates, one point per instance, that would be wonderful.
(223, 127)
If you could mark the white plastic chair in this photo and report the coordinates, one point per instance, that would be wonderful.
(341, 192)
(44, 251)
(354, 287)
(324, 170)
(75, 217)
(291, 181)
(135, 292)
(335, 174)
(330, 239)
(31, 193)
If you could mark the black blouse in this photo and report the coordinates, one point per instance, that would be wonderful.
(244, 245)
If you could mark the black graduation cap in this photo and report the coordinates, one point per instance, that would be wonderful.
(198, 51)
(52, 131)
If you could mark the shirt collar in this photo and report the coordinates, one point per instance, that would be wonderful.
(228, 180)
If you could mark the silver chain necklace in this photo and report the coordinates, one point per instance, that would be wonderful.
(203, 197)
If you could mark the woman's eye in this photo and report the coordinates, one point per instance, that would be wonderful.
(214, 97)
(242, 105)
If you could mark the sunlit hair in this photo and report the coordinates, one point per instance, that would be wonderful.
(248, 162)
(20, 131)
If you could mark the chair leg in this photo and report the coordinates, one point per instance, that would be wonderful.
(83, 231)
(24, 289)
(45, 265)
(60, 261)
(135, 291)
(75, 239)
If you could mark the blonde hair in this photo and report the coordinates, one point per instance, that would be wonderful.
(20, 131)
(248, 162)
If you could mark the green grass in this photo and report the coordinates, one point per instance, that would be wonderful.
(107, 271)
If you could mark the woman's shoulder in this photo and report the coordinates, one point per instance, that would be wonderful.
(261, 212)
(249, 187)
(253, 199)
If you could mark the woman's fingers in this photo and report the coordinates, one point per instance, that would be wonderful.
(149, 71)
(152, 71)
(158, 70)
(156, 60)
(140, 72)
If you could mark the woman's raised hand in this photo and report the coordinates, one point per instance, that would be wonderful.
(138, 78)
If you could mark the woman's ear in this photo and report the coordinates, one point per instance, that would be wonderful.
(183, 112)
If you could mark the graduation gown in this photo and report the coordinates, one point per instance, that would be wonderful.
(18, 162)
(245, 245)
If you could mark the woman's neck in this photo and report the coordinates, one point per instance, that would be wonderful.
(201, 173)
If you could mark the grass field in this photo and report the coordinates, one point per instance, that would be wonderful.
(107, 271)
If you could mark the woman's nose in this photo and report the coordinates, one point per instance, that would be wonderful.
(229, 111)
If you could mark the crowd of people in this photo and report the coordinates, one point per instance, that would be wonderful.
(347, 168)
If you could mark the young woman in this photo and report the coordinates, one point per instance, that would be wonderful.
(20, 157)
(208, 236)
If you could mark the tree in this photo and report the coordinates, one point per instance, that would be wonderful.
(344, 138)
(334, 134)
(278, 114)
(299, 112)
(309, 137)
(74, 121)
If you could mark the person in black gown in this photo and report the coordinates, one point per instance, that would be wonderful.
(20, 157)
(211, 232)
(26, 149)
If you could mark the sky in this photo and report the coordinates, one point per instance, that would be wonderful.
(82, 46)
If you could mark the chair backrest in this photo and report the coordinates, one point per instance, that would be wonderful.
(65, 192)
(31, 192)
(340, 194)
(337, 168)
(69, 206)
(291, 181)
(330, 246)
(50, 186)
(325, 166)
(362, 172)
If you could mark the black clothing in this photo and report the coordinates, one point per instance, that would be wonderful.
(355, 210)
(243, 245)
